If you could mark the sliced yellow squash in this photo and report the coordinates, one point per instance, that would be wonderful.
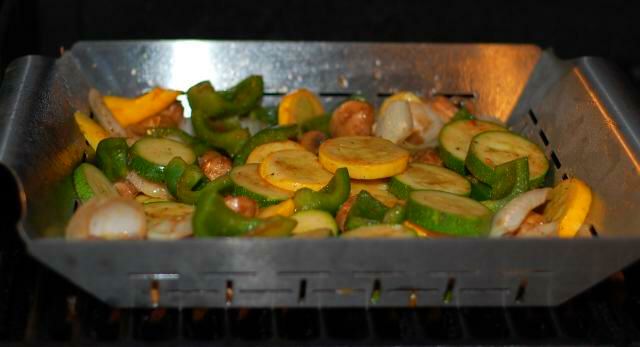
(262, 151)
(365, 157)
(377, 188)
(294, 169)
(285, 209)
(90, 129)
(298, 107)
(568, 206)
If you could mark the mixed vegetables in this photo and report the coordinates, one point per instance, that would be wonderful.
(418, 167)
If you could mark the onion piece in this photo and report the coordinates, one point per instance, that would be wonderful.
(152, 189)
(103, 115)
(396, 124)
(511, 216)
(426, 125)
(540, 230)
(170, 229)
(112, 218)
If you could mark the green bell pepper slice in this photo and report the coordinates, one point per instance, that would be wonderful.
(230, 141)
(329, 198)
(183, 179)
(366, 210)
(213, 218)
(238, 100)
(276, 226)
(111, 158)
(268, 115)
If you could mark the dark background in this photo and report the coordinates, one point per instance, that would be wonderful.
(570, 28)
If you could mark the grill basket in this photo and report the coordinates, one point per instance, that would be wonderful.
(581, 112)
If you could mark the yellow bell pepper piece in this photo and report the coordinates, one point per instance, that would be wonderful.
(285, 209)
(91, 130)
(129, 111)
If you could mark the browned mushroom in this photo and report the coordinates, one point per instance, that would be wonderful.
(352, 118)
(311, 140)
(242, 205)
(126, 189)
(214, 164)
(427, 156)
(170, 117)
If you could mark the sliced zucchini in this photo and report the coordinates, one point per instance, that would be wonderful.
(395, 215)
(90, 182)
(248, 182)
(491, 149)
(150, 155)
(448, 213)
(455, 138)
(479, 191)
(314, 219)
(379, 231)
(428, 177)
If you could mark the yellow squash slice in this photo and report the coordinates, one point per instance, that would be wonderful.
(294, 169)
(568, 206)
(298, 107)
(365, 157)
(262, 151)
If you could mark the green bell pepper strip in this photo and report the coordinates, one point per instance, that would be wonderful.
(213, 218)
(230, 141)
(190, 178)
(268, 115)
(329, 198)
(264, 136)
(462, 114)
(238, 100)
(366, 210)
(516, 174)
(394, 215)
(182, 180)
(319, 123)
(276, 226)
(199, 147)
(111, 157)
(246, 94)
(172, 173)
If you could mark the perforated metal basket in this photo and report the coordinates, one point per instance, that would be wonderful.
(580, 112)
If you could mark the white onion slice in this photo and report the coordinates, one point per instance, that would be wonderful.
(152, 189)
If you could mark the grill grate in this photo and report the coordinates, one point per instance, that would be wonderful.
(42, 308)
